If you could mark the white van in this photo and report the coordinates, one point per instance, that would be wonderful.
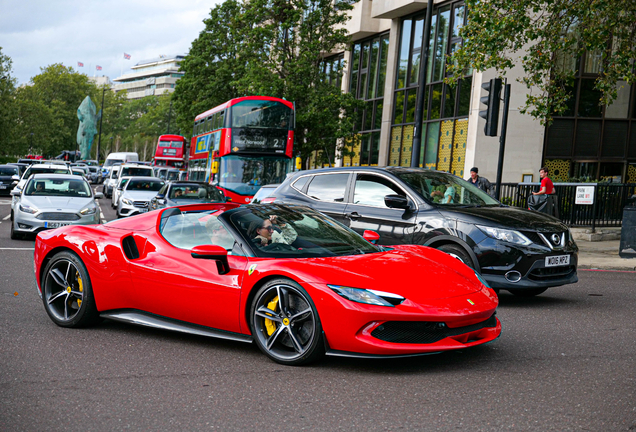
(118, 158)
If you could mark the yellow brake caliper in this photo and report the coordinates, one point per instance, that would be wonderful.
(270, 325)
(81, 288)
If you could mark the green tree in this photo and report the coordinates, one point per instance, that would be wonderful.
(7, 106)
(543, 37)
(272, 48)
(212, 66)
(47, 110)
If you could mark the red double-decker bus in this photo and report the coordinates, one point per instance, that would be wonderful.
(242, 145)
(170, 151)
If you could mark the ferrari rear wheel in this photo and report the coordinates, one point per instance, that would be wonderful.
(285, 323)
(67, 292)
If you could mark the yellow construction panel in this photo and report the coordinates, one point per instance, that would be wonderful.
(445, 146)
(407, 146)
(394, 148)
(459, 147)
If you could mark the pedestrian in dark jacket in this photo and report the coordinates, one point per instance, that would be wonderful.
(481, 182)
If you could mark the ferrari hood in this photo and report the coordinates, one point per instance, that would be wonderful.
(414, 272)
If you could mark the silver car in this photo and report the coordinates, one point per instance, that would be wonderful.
(51, 201)
(117, 190)
(136, 195)
(111, 181)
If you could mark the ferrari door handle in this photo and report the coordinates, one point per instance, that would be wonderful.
(353, 215)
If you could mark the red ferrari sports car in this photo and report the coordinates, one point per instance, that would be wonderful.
(293, 280)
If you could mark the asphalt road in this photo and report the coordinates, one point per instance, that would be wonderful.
(566, 361)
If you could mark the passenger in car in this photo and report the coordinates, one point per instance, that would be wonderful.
(270, 231)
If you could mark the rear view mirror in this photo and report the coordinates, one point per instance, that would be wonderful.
(212, 252)
(371, 236)
(16, 192)
(99, 195)
(396, 201)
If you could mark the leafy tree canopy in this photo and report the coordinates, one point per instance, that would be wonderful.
(272, 48)
(544, 37)
(7, 108)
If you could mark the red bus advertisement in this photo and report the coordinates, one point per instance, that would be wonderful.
(170, 152)
(242, 145)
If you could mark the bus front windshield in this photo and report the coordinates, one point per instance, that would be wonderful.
(245, 175)
(261, 114)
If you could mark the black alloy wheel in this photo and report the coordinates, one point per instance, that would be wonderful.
(14, 234)
(67, 293)
(528, 292)
(285, 323)
(458, 253)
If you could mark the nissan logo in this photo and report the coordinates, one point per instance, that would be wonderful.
(555, 239)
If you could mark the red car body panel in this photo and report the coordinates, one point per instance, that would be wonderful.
(168, 282)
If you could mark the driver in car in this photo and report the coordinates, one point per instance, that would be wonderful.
(269, 231)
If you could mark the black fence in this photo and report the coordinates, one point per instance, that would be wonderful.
(607, 210)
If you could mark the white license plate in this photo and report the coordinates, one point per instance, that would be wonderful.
(143, 210)
(3, 186)
(559, 260)
(55, 224)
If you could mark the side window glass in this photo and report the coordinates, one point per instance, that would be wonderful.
(328, 187)
(301, 182)
(371, 190)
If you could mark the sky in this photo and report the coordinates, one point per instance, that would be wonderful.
(38, 33)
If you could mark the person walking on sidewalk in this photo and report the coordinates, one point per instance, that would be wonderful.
(481, 182)
(547, 187)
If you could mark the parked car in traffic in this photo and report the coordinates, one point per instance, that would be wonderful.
(518, 250)
(21, 166)
(111, 181)
(172, 175)
(186, 192)
(117, 191)
(51, 201)
(37, 169)
(136, 196)
(264, 194)
(95, 174)
(9, 178)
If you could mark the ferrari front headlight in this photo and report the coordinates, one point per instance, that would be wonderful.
(510, 236)
(366, 296)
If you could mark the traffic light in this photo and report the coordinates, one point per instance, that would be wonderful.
(491, 113)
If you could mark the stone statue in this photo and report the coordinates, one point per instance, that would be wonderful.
(86, 113)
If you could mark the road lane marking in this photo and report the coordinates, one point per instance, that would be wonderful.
(6, 217)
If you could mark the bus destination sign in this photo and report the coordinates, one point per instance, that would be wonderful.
(258, 140)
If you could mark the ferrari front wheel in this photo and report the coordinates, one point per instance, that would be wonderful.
(285, 324)
(67, 292)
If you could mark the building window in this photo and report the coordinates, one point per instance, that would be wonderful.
(598, 142)
(368, 77)
(332, 68)
(445, 107)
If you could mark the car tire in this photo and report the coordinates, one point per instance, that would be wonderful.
(67, 292)
(457, 252)
(289, 331)
(14, 234)
(531, 292)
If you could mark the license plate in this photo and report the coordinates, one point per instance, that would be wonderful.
(559, 260)
(143, 210)
(3, 186)
(55, 224)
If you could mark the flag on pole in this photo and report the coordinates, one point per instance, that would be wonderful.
(98, 67)
(80, 64)
(127, 56)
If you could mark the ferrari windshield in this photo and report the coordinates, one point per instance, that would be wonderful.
(446, 189)
(291, 231)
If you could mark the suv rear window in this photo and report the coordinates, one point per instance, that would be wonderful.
(136, 172)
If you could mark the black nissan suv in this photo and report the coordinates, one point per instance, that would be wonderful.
(519, 250)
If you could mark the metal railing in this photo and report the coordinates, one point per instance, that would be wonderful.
(607, 210)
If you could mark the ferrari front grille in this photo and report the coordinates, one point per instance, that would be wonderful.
(424, 332)
(58, 216)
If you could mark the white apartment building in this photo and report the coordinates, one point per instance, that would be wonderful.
(382, 65)
(150, 77)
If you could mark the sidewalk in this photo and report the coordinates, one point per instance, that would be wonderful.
(603, 255)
